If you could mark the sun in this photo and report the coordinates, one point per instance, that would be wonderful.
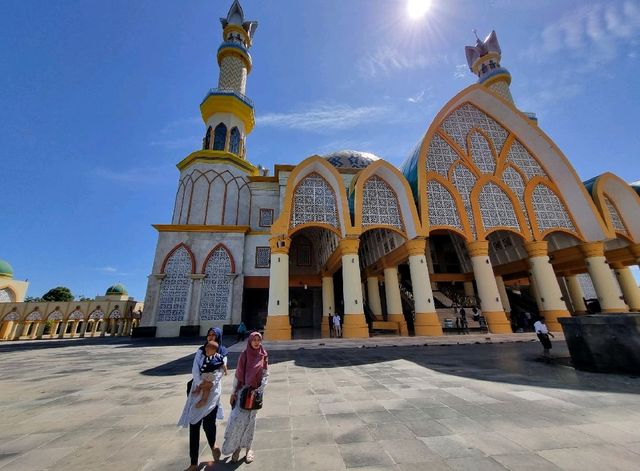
(418, 8)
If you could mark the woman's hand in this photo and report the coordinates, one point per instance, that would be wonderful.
(232, 400)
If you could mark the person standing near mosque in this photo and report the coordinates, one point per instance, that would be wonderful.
(543, 335)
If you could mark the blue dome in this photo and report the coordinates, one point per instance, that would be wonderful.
(350, 159)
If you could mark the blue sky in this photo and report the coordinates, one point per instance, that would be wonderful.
(99, 101)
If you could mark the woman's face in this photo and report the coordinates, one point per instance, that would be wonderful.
(255, 342)
(211, 335)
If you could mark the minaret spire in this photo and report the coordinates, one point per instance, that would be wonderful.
(484, 61)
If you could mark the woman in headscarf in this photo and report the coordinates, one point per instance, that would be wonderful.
(209, 365)
(251, 372)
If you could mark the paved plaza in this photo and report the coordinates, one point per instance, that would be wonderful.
(378, 404)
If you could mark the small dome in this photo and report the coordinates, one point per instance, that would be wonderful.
(6, 270)
(351, 159)
(117, 289)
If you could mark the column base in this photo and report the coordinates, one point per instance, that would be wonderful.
(325, 327)
(428, 324)
(355, 327)
(614, 310)
(402, 323)
(551, 319)
(497, 322)
(277, 328)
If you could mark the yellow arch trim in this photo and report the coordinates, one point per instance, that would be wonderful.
(318, 225)
(600, 192)
(466, 233)
(489, 141)
(386, 228)
(281, 224)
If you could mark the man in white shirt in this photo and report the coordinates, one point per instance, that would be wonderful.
(543, 335)
(337, 330)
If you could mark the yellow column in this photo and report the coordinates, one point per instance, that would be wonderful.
(278, 327)
(63, 329)
(604, 281)
(25, 329)
(94, 327)
(552, 305)
(394, 302)
(577, 295)
(5, 330)
(628, 285)
(426, 320)
(328, 305)
(74, 328)
(504, 297)
(468, 288)
(355, 324)
(374, 296)
(487, 289)
(83, 331)
(41, 327)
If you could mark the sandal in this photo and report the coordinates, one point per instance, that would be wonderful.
(236, 456)
(216, 453)
(250, 457)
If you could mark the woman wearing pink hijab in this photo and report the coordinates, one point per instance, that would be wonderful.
(251, 371)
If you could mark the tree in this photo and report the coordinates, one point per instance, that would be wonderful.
(59, 293)
(32, 299)
(82, 297)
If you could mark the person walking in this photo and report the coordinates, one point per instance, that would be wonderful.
(337, 328)
(251, 374)
(464, 325)
(543, 335)
(242, 332)
(208, 367)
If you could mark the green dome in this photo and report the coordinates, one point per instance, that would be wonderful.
(117, 289)
(6, 270)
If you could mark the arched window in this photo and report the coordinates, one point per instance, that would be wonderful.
(219, 137)
(207, 139)
(234, 141)
(216, 287)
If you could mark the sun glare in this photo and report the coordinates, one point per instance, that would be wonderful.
(418, 8)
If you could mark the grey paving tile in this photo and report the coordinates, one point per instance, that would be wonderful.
(390, 431)
(356, 455)
(452, 446)
(272, 440)
(475, 464)
(525, 462)
(273, 460)
(318, 458)
(309, 421)
(308, 437)
(352, 433)
(271, 424)
(462, 425)
(409, 451)
(593, 458)
(428, 428)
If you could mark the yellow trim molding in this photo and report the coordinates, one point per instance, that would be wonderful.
(199, 228)
(229, 104)
(217, 157)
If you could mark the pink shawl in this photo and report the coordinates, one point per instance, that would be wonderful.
(251, 363)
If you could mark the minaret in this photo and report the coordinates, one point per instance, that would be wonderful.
(484, 61)
(227, 112)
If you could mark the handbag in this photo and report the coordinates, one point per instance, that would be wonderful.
(250, 399)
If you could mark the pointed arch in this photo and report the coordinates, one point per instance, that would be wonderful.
(34, 315)
(443, 209)
(220, 137)
(7, 295)
(482, 151)
(55, 315)
(219, 246)
(547, 209)
(215, 299)
(174, 287)
(234, 140)
(622, 199)
(494, 209)
(207, 138)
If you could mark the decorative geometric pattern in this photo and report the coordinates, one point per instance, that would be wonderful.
(440, 156)
(175, 287)
(380, 204)
(314, 201)
(519, 156)
(115, 314)
(55, 316)
(263, 257)
(496, 208)
(618, 225)
(351, 159)
(514, 181)
(550, 212)
(481, 154)
(442, 207)
(233, 74)
(464, 181)
(76, 315)
(97, 314)
(460, 122)
(34, 316)
(501, 89)
(12, 316)
(216, 287)
(266, 217)
(5, 296)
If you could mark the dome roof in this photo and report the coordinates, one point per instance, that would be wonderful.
(6, 270)
(350, 159)
(116, 289)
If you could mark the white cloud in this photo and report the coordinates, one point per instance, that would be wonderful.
(417, 98)
(107, 269)
(388, 60)
(461, 71)
(323, 117)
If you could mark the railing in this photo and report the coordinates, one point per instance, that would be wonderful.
(229, 91)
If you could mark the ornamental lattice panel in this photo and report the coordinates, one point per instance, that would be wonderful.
(115, 314)
(464, 119)
(464, 180)
(524, 161)
(96, 315)
(442, 207)
(618, 225)
(12, 316)
(76, 315)
(380, 204)
(216, 287)
(440, 156)
(5, 296)
(55, 316)
(481, 154)
(496, 208)
(34, 316)
(514, 181)
(549, 210)
(174, 287)
(314, 201)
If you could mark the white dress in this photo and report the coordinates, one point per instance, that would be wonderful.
(192, 414)
(242, 423)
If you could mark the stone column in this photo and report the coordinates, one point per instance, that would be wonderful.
(487, 289)
(426, 320)
(25, 329)
(552, 305)
(112, 327)
(63, 329)
(504, 297)
(7, 327)
(373, 291)
(394, 301)
(328, 305)
(604, 281)
(628, 285)
(432, 284)
(94, 327)
(197, 283)
(83, 331)
(355, 325)
(577, 295)
(15, 330)
(277, 326)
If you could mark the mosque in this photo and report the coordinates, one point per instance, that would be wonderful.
(486, 211)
